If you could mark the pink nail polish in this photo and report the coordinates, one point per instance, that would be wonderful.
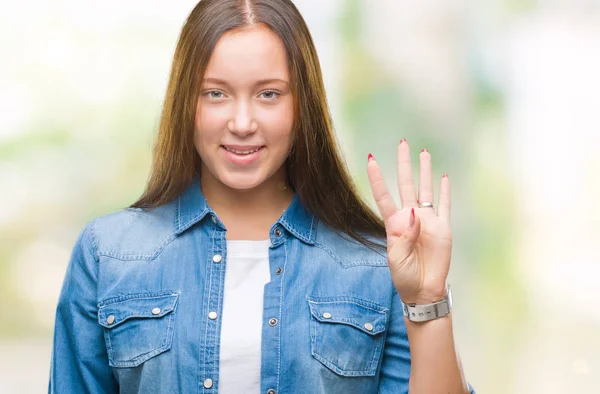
(445, 176)
(424, 150)
(370, 157)
(411, 221)
(403, 140)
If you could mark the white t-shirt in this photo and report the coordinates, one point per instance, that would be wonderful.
(246, 273)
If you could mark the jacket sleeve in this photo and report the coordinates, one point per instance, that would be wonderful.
(79, 359)
(395, 366)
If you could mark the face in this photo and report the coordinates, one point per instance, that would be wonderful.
(244, 115)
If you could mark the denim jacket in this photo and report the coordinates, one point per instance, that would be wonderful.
(133, 313)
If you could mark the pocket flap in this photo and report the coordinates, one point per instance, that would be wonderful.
(115, 311)
(366, 316)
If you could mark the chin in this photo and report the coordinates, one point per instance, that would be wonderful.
(241, 181)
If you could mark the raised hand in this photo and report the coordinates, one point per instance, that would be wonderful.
(419, 240)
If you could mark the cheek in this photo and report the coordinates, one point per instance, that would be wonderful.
(279, 124)
(208, 124)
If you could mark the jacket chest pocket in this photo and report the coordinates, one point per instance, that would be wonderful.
(137, 326)
(347, 334)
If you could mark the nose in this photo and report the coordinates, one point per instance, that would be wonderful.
(242, 121)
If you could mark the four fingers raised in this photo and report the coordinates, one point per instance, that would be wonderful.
(406, 187)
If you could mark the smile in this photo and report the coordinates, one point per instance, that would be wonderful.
(242, 152)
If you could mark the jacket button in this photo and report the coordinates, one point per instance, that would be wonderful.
(110, 319)
(217, 258)
(327, 315)
(271, 391)
(208, 383)
(155, 311)
(368, 326)
(278, 271)
(273, 322)
(278, 232)
(212, 315)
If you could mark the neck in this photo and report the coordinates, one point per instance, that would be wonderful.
(248, 213)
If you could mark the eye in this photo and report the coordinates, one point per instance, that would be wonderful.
(214, 94)
(270, 94)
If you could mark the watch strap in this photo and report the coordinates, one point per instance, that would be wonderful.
(426, 312)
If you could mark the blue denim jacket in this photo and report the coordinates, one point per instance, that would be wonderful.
(133, 313)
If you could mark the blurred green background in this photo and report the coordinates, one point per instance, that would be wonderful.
(503, 93)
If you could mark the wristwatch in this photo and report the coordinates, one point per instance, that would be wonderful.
(426, 312)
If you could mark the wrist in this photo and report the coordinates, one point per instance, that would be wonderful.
(425, 297)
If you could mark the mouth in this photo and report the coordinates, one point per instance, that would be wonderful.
(240, 155)
(242, 151)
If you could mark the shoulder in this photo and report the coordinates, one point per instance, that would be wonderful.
(348, 252)
(134, 233)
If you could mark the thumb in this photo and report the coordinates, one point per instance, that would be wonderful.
(413, 229)
(404, 243)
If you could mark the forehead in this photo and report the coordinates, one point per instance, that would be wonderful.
(247, 54)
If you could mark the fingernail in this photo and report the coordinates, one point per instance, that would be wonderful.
(424, 150)
(403, 140)
(411, 221)
(370, 157)
(445, 175)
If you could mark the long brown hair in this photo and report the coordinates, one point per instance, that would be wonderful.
(315, 168)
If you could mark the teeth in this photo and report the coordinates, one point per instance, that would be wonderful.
(242, 152)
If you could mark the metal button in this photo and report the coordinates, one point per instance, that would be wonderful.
(155, 311)
(368, 326)
(278, 271)
(212, 315)
(110, 319)
(271, 391)
(278, 232)
(273, 322)
(214, 220)
(208, 383)
(327, 315)
(217, 258)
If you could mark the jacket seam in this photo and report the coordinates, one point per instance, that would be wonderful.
(353, 263)
(146, 257)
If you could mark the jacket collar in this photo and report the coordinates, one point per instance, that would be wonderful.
(192, 207)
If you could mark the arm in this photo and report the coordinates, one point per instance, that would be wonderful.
(434, 367)
(419, 250)
(79, 359)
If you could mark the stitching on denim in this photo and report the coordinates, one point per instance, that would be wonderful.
(169, 337)
(349, 299)
(312, 223)
(354, 324)
(216, 352)
(207, 290)
(137, 360)
(109, 349)
(354, 263)
(143, 257)
(285, 261)
(376, 353)
(334, 368)
(166, 345)
(293, 230)
(94, 240)
(135, 296)
(193, 220)
(178, 215)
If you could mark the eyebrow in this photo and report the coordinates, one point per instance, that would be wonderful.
(258, 83)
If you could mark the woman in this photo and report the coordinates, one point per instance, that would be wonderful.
(250, 264)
